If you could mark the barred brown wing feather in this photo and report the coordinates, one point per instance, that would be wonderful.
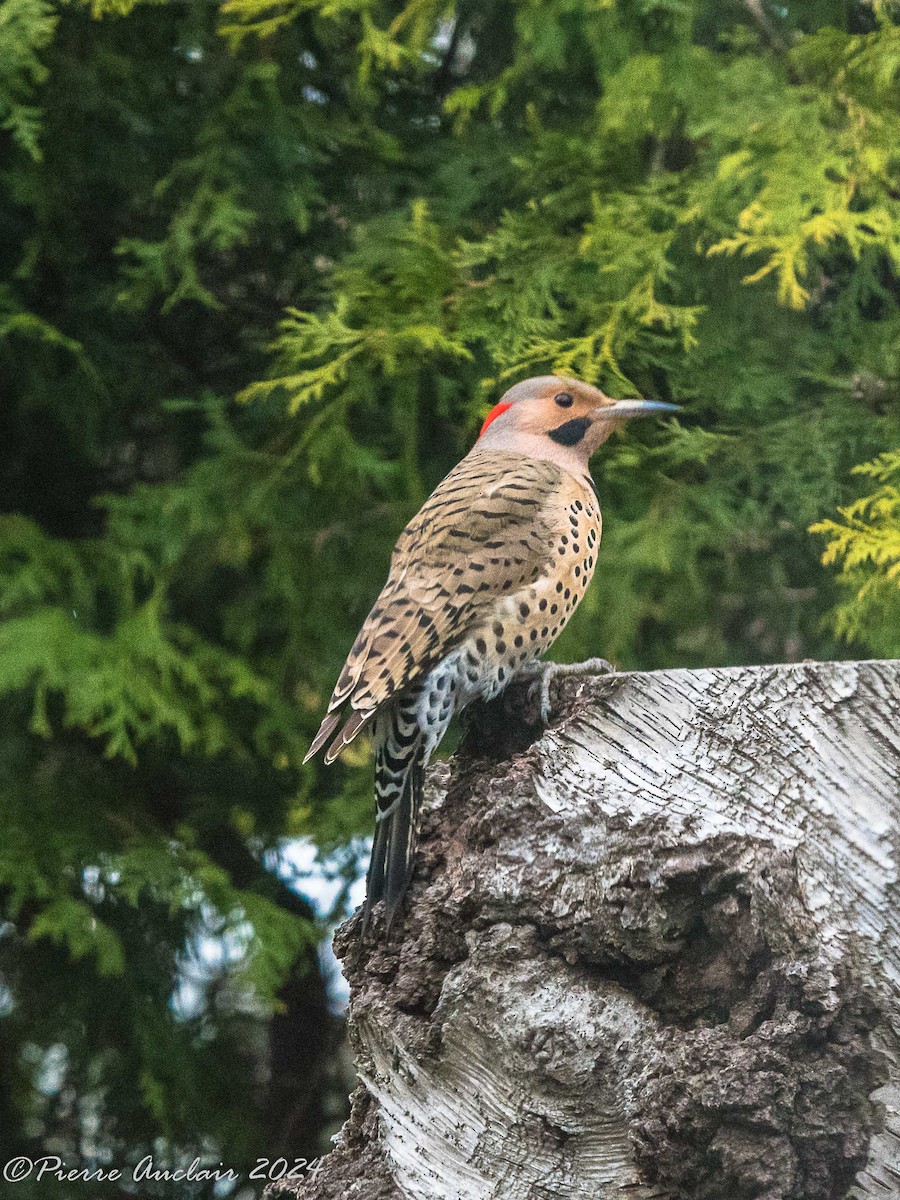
(484, 532)
(328, 726)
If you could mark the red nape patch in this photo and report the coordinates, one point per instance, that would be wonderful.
(497, 411)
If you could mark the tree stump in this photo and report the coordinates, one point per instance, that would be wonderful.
(650, 951)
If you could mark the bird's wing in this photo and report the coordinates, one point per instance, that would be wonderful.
(484, 532)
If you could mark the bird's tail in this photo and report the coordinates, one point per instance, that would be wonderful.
(399, 775)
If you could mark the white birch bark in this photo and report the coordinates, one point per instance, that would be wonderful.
(654, 953)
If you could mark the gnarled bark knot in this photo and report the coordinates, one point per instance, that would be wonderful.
(651, 951)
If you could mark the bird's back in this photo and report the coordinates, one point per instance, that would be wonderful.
(499, 528)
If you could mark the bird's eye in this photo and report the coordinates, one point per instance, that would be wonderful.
(563, 399)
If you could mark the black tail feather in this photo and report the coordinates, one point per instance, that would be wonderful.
(377, 866)
(399, 778)
(401, 853)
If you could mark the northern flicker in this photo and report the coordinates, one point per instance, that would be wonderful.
(481, 582)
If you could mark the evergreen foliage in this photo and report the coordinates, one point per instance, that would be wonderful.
(264, 265)
(866, 544)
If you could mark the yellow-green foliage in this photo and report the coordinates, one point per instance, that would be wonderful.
(865, 545)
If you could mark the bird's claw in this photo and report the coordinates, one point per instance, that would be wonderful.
(539, 692)
(545, 673)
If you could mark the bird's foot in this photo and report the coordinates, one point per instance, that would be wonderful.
(544, 675)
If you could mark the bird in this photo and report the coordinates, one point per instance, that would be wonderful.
(481, 581)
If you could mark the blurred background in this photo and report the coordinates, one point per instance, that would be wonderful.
(264, 266)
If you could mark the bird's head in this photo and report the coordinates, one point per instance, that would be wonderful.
(573, 417)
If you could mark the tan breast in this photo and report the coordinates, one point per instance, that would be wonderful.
(523, 624)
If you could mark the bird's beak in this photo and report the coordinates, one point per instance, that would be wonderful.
(634, 408)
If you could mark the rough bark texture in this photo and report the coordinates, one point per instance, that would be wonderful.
(651, 951)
